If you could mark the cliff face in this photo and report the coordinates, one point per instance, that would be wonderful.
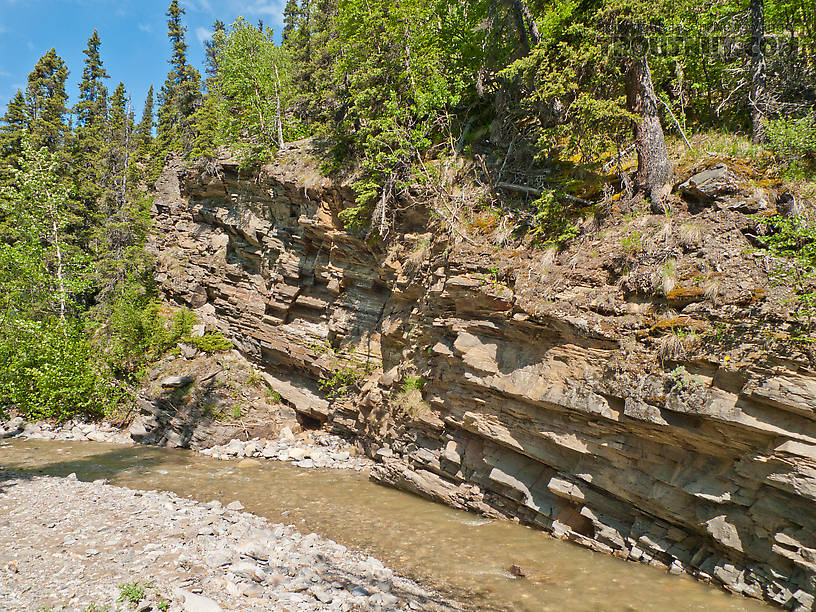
(636, 394)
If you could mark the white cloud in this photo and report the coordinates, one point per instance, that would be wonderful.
(269, 8)
(198, 6)
(203, 35)
(144, 27)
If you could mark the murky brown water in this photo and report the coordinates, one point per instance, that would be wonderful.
(460, 551)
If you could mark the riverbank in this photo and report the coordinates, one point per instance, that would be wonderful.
(67, 544)
(307, 449)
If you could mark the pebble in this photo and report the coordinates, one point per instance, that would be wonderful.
(87, 538)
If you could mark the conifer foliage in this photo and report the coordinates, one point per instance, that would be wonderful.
(395, 92)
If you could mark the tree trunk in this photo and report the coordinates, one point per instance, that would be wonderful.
(654, 173)
(525, 25)
(758, 74)
(278, 118)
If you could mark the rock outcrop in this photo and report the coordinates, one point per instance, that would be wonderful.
(638, 394)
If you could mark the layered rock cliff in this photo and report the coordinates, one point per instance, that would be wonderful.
(638, 394)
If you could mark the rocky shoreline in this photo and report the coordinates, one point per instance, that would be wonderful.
(308, 449)
(69, 545)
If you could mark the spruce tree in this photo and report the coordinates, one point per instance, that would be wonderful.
(89, 142)
(120, 143)
(144, 131)
(12, 129)
(46, 98)
(92, 106)
(291, 14)
(179, 95)
(211, 51)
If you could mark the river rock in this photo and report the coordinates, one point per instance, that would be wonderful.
(196, 603)
(297, 454)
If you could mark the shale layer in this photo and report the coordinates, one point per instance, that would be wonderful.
(638, 394)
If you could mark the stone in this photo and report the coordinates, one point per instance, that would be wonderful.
(235, 505)
(175, 382)
(196, 603)
(724, 532)
(254, 549)
(247, 569)
(297, 454)
(709, 185)
(188, 351)
(322, 595)
(384, 452)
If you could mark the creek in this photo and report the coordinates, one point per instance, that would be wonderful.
(460, 553)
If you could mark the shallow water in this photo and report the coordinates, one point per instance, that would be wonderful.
(460, 552)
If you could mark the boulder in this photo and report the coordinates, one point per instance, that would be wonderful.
(708, 186)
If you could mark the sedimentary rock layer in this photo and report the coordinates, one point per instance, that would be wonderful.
(554, 392)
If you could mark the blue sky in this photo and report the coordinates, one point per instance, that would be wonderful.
(134, 50)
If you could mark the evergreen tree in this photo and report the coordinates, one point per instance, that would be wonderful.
(179, 95)
(291, 14)
(89, 142)
(211, 51)
(120, 145)
(12, 129)
(144, 131)
(46, 98)
(92, 106)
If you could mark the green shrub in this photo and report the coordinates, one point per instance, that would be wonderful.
(343, 381)
(273, 396)
(137, 334)
(50, 370)
(793, 241)
(552, 221)
(793, 140)
(183, 321)
(411, 383)
(211, 342)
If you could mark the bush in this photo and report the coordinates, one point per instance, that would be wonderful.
(793, 140)
(137, 333)
(211, 342)
(50, 370)
(552, 222)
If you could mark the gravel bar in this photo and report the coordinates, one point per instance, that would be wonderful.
(70, 545)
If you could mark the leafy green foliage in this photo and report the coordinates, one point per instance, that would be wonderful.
(793, 141)
(411, 383)
(211, 342)
(252, 88)
(793, 241)
(50, 370)
(131, 593)
(343, 381)
(552, 222)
